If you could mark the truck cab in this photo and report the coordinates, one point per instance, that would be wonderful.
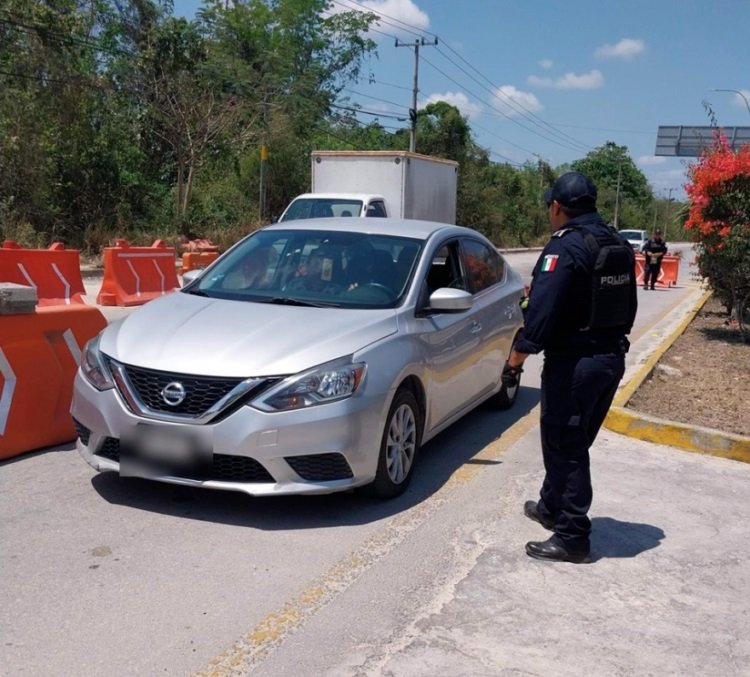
(322, 205)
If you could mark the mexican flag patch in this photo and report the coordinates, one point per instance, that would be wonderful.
(549, 263)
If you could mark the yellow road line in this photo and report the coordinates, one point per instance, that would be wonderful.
(274, 628)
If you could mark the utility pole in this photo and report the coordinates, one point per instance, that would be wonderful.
(539, 220)
(415, 90)
(263, 164)
(617, 195)
(667, 214)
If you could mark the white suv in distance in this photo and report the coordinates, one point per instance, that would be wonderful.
(637, 238)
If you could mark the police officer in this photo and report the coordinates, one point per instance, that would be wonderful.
(653, 249)
(580, 308)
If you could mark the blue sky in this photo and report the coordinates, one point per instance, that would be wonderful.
(556, 78)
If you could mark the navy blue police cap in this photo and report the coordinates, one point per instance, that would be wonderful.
(574, 190)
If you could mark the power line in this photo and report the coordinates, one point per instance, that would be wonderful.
(384, 18)
(375, 98)
(563, 139)
(497, 136)
(516, 105)
(388, 84)
(512, 119)
(44, 79)
(392, 116)
(60, 38)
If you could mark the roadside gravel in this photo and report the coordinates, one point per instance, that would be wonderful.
(704, 377)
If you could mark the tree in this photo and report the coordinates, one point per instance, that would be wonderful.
(719, 221)
(443, 132)
(190, 109)
(619, 181)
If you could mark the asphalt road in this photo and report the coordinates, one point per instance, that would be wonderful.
(103, 575)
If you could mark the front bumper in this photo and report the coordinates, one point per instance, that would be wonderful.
(322, 449)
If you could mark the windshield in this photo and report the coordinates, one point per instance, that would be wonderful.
(316, 208)
(314, 267)
(633, 234)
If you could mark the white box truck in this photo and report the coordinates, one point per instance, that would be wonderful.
(378, 183)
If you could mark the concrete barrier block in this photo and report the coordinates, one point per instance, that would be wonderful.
(17, 299)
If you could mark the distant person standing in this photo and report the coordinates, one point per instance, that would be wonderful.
(581, 306)
(653, 249)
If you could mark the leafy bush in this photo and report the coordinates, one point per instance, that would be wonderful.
(719, 221)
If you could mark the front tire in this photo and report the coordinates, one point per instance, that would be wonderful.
(398, 448)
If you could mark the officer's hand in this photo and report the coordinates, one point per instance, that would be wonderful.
(511, 376)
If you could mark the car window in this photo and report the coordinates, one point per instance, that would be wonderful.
(484, 266)
(316, 267)
(376, 208)
(314, 208)
(633, 234)
(445, 269)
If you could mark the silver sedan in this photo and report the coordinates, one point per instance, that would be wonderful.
(311, 357)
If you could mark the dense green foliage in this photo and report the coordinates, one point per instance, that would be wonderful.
(118, 119)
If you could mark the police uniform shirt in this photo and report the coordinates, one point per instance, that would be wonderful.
(654, 247)
(560, 297)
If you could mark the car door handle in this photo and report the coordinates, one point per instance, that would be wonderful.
(475, 328)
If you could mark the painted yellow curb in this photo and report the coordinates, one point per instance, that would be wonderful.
(681, 435)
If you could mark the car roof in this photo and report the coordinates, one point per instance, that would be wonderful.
(340, 196)
(419, 230)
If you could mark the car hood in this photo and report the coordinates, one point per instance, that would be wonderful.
(214, 337)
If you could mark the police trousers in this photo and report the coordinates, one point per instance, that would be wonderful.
(576, 395)
(651, 272)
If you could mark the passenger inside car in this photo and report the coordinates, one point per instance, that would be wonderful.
(252, 273)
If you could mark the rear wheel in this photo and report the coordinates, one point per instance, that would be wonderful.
(398, 447)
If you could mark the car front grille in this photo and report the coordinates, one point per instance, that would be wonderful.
(202, 392)
(225, 468)
(320, 467)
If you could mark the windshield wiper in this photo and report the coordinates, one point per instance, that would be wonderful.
(197, 292)
(286, 301)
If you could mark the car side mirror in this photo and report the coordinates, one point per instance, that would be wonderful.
(449, 300)
(190, 276)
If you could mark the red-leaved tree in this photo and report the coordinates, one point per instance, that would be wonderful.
(719, 222)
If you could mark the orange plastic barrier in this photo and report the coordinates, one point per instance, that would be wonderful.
(199, 245)
(39, 356)
(667, 273)
(193, 260)
(55, 273)
(135, 275)
(670, 266)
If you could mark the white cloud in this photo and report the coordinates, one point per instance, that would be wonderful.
(664, 180)
(546, 64)
(392, 12)
(512, 101)
(457, 99)
(592, 80)
(626, 49)
(648, 160)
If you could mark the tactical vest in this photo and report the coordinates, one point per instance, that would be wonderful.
(613, 272)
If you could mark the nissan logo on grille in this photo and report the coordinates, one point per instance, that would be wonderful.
(173, 393)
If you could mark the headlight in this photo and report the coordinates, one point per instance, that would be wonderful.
(93, 367)
(327, 383)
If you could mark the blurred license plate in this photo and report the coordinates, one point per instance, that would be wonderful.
(153, 450)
